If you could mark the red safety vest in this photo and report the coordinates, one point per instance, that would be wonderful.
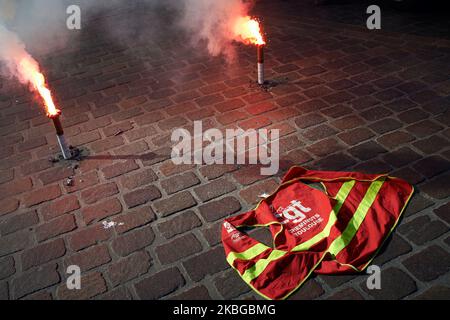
(334, 232)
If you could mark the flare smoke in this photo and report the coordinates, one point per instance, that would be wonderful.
(214, 22)
(209, 23)
(13, 54)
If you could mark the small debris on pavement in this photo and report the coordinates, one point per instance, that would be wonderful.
(118, 133)
(111, 224)
(69, 182)
(264, 195)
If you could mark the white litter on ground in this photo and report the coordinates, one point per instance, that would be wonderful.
(111, 224)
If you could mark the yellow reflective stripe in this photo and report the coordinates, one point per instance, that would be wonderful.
(254, 271)
(248, 254)
(341, 196)
(355, 222)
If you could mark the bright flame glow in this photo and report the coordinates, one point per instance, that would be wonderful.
(30, 68)
(249, 31)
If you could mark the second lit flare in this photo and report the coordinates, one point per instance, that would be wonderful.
(29, 68)
(22, 66)
(249, 31)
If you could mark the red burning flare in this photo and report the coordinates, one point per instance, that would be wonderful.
(30, 69)
(249, 31)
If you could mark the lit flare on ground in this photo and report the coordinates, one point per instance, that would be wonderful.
(30, 69)
(249, 31)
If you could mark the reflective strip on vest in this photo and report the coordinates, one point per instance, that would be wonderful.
(248, 254)
(261, 265)
(344, 239)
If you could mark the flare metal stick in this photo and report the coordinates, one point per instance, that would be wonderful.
(260, 50)
(65, 150)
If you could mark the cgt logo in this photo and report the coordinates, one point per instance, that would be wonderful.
(295, 212)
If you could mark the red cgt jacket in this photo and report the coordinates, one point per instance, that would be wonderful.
(336, 231)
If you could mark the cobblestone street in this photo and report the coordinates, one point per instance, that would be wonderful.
(343, 97)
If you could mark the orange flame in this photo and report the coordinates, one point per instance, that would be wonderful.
(249, 30)
(30, 68)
